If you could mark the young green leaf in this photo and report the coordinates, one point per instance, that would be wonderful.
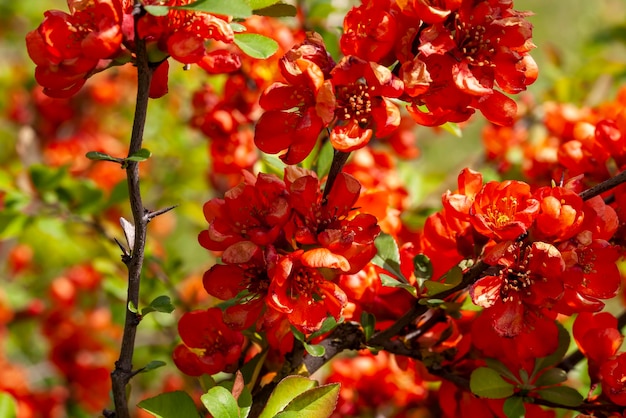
(261, 4)
(157, 10)
(368, 322)
(220, 402)
(160, 304)
(132, 307)
(551, 377)
(177, 404)
(389, 281)
(562, 395)
(501, 369)
(238, 9)
(277, 10)
(328, 325)
(388, 256)
(255, 45)
(318, 402)
(559, 353)
(101, 156)
(141, 155)
(514, 407)
(314, 349)
(154, 364)
(422, 267)
(488, 383)
(286, 390)
(297, 334)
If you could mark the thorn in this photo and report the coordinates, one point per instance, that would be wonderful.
(151, 215)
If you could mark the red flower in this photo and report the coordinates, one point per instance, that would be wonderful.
(612, 377)
(292, 120)
(597, 338)
(529, 279)
(255, 211)
(369, 32)
(69, 48)
(560, 214)
(209, 346)
(504, 211)
(328, 222)
(300, 291)
(361, 103)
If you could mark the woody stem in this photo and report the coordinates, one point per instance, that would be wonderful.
(123, 372)
(339, 159)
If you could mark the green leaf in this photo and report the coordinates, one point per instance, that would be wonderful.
(238, 9)
(433, 288)
(562, 395)
(154, 364)
(157, 10)
(559, 353)
(454, 276)
(368, 322)
(488, 383)
(261, 4)
(244, 401)
(101, 156)
(453, 128)
(252, 368)
(297, 334)
(141, 155)
(388, 255)
(12, 224)
(286, 390)
(255, 45)
(237, 27)
(160, 304)
(8, 406)
(132, 307)
(277, 10)
(328, 325)
(314, 349)
(176, 404)
(389, 281)
(551, 377)
(220, 402)
(501, 369)
(318, 402)
(422, 267)
(514, 407)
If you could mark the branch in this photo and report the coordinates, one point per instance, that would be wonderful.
(604, 186)
(339, 159)
(123, 372)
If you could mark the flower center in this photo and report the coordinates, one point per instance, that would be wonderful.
(518, 278)
(503, 211)
(471, 40)
(353, 103)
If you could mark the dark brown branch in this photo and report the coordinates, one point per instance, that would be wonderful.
(604, 186)
(339, 159)
(123, 372)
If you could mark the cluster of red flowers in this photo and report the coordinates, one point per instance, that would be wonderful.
(283, 244)
(68, 48)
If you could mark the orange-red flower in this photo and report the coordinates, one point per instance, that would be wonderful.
(300, 290)
(209, 346)
(504, 211)
(560, 213)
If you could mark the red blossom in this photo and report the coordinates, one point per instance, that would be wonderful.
(209, 346)
(300, 290)
(504, 211)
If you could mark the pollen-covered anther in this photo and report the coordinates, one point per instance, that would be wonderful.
(353, 103)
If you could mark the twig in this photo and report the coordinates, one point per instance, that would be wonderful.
(339, 159)
(123, 372)
(604, 186)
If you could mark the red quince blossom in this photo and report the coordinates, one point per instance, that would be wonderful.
(291, 119)
(597, 338)
(255, 211)
(361, 102)
(209, 346)
(612, 378)
(560, 213)
(591, 274)
(369, 32)
(528, 280)
(300, 290)
(69, 48)
(504, 211)
(328, 221)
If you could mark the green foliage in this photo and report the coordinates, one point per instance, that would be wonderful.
(160, 304)
(235, 8)
(388, 256)
(286, 390)
(562, 395)
(177, 404)
(488, 383)
(8, 407)
(220, 403)
(255, 45)
(514, 407)
(297, 396)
